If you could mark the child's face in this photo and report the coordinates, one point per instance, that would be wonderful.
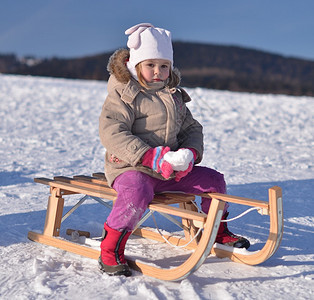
(155, 70)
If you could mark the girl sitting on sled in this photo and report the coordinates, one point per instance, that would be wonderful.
(152, 141)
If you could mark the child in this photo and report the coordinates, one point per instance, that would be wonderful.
(152, 141)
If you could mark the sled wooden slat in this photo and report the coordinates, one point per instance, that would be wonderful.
(84, 181)
(99, 175)
(43, 180)
(238, 200)
(97, 186)
(91, 179)
(96, 191)
(87, 184)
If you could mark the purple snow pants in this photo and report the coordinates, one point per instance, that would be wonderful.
(136, 190)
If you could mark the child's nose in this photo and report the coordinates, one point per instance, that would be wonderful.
(157, 70)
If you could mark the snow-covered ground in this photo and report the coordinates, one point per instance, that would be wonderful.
(50, 127)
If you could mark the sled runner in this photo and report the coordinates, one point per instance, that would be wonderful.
(200, 230)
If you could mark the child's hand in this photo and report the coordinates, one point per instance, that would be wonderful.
(154, 159)
(181, 174)
(181, 161)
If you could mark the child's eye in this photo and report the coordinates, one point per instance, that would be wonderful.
(165, 66)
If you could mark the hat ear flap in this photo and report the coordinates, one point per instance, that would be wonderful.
(134, 40)
(135, 27)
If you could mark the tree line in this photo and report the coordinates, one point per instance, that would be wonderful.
(201, 65)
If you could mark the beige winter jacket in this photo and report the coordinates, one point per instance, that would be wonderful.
(134, 119)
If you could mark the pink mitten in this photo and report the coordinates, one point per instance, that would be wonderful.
(181, 174)
(154, 159)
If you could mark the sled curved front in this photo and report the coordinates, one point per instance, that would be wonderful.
(274, 238)
(197, 257)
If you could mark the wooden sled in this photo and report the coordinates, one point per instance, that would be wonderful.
(192, 221)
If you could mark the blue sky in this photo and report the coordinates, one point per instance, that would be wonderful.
(74, 28)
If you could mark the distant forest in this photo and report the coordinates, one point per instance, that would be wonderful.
(201, 65)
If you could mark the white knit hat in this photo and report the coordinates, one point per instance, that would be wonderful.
(148, 42)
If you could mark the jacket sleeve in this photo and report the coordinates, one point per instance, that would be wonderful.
(115, 130)
(191, 135)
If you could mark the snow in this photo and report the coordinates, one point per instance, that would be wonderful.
(50, 127)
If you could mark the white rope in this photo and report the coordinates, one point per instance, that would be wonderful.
(241, 215)
(232, 219)
(198, 232)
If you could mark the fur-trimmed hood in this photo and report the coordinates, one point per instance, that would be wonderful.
(117, 67)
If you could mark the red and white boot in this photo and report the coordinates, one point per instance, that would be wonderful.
(112, 260)
(225, 237)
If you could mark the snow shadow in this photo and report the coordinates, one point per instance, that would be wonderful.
(298, 220)
(14, 177)
(15, 227)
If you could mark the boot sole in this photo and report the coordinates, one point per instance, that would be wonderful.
(116, 270)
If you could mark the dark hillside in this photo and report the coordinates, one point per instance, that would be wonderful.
(240, 69)
(201, 65)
